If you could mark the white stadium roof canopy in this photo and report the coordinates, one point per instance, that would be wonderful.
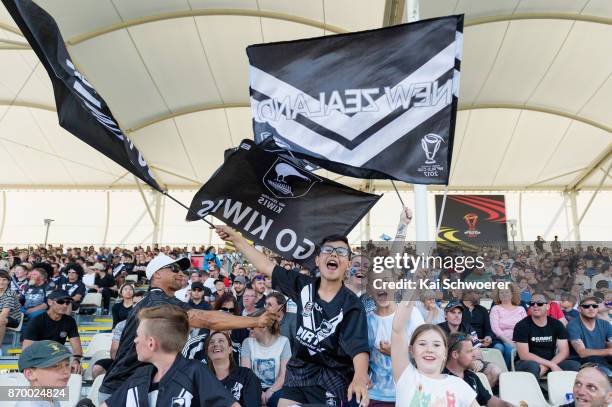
(535, 106)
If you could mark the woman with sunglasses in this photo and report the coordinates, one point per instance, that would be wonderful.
(240, 381)
(417, 367)
(228, 303)
(267, 352)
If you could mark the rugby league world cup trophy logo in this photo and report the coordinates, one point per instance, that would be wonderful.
(471, 219)
(431, 144)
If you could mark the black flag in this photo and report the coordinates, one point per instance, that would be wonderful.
(80, 109)
(372, 104)
(278, 204)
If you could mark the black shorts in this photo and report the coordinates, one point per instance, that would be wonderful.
(314, 396)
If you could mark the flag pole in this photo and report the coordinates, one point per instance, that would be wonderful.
(186, 207)
(398, 194)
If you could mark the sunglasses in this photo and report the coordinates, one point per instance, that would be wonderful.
(603, 369)
(173, 267)
(196, 289)
(259, 278)
(456, 342)
(539, 304)
(587, 306)
(63, 302)
(341, 251)
(226, 309)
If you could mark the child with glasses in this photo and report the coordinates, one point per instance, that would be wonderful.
(329, 365)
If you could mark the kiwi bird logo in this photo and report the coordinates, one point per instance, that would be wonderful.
(285, 180)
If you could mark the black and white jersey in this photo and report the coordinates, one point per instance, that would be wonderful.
(329, 334)
(187, 383)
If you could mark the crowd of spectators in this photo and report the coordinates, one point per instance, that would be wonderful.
(554, 315)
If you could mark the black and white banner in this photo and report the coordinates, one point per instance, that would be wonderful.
(278, 204)
(371, 104)
(81, 110)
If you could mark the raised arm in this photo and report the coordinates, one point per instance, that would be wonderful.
(259, 260)
(221, 321)
(399, 346)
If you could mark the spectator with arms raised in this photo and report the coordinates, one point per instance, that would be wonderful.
(330, 361)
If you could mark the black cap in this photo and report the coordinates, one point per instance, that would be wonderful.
(197, 284)
(453, 304)
(58, 295)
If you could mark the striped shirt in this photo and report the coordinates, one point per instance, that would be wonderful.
(9, 300)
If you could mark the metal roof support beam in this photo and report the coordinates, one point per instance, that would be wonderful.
(156, 223)
(536, 109)
(144, 199)
(394, 12)
(595, 194)
(204, 13)
(3, 214)
(106, 226)
(538, 16)
(32, 105)
(575, 223)
(591, 168)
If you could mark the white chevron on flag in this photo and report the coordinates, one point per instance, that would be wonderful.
(347, 126)
(372, 146)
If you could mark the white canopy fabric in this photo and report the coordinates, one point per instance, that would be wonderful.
(535, 103)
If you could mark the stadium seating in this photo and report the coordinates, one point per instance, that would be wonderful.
(517, 387)
(93, 392)
(494, 356)
(559, 385)
(16, 332)
(485, 381)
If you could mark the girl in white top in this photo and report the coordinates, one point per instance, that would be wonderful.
(424, 385)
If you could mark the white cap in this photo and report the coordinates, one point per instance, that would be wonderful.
(161, 260)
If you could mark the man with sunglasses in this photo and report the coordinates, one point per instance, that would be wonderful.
(163, 273)
(330, 356)
(538, 337)
(592, 387)
(591, 338)
(55, 325)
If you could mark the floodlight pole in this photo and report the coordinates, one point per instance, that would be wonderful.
(47, 224)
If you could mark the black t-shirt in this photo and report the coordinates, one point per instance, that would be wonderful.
(57, 282)
(329, 334)
(104, 282)
(244, 386)
(126, 361)
(542, 340)
(43, 327)
(120, 312)
(261, 303)
(482, 394)
(75, 288)
(203, 305)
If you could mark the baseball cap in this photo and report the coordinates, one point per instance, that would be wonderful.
(197, 284)
(593, 298)
(58, 295)
(453, 304)
(161, 260)
(43, 354)
(240, 279)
